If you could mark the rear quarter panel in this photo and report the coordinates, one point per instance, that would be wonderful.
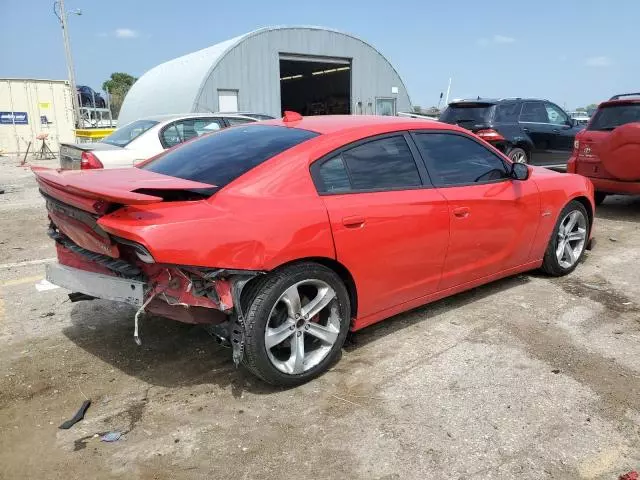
(556, 191)
(269, 216)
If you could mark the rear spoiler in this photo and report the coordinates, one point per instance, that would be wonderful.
(620, 95)
(96, 200)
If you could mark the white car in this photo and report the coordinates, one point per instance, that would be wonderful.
(144, 138)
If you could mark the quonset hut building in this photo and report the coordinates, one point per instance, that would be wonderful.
(309, 70)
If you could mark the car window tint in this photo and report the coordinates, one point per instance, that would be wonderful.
(458, 160)
(238, 121)
(184, 130)
(386, 163)
(219, 158)
(534, 112)
(171, 136)
(507, 112)
(555, 114)
(612, 116)
(333, 176)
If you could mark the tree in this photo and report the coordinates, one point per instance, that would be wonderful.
(417, 109)
(117, 87)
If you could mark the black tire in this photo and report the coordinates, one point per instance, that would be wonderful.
(518, 155)
(599, 197)
(261, 296)
(551, 265)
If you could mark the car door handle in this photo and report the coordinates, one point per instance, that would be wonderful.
(353, 222)
(461, 212)
(556, 130)
(526, 130)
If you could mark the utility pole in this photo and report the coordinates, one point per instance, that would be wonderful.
(62, 16)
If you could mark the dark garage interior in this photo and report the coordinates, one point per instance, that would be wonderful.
(315, 87)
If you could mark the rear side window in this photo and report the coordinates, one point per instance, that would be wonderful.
(611, 116)
(458, 160)
(534, 112)
(222, 157)
(507, 112)
(128, 133)
(468, 114)
(383, 164)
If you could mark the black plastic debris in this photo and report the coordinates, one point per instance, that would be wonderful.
(77, 417)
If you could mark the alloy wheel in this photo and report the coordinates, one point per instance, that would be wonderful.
(572, 235)
(303, 326)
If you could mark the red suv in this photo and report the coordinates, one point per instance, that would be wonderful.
(608, 150)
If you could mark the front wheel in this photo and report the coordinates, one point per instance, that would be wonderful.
(568, 240)
(518, 155)
(297, 319)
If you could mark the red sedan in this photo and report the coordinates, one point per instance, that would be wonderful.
(285, 235)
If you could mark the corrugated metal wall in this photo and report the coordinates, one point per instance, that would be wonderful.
(253, 68)
(38, 99)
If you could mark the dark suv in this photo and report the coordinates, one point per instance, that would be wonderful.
(526, 129)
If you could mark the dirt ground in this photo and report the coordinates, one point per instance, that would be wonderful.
(527, 378)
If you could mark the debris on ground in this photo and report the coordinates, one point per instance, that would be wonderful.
(77, 417)
(555, 370)
(44, 285)
(633, 475)
(111, 437)
(613, 239)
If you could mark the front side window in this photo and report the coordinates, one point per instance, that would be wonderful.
(458, 160)
(556, 115)
(222, 157)
(534, 112)
(128, 133)
(382, 164)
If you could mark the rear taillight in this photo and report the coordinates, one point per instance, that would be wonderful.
(88, 161)
(490, 135)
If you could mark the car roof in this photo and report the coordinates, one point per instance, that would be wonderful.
(494, 101)
(325, 124)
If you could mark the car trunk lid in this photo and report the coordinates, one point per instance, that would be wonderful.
(588, 162)
(71, 153)
(76, 200)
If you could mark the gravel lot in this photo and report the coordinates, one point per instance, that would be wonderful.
(527, 378)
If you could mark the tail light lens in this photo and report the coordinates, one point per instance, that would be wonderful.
(89, 161)
(490, 135)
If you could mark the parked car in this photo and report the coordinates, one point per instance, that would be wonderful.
(527, 130)
(286, 234)
(143, 139)
(255, 116)
(580, 118)
(608, 151)
(90, 98)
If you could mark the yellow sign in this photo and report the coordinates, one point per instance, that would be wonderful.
(44, 105)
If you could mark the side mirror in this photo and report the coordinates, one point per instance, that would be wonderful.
(519, 171)
(571, 123)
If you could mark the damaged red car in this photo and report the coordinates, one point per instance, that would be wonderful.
(283, 236)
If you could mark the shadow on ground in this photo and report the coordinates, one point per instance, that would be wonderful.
(174, 354)
(621, 208)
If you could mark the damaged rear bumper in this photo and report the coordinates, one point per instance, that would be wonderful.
(96, 284)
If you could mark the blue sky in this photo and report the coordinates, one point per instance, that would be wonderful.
(569, 51)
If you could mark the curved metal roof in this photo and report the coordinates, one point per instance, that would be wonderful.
(176, 84)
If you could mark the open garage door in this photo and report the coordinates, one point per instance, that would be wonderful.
(315, 85)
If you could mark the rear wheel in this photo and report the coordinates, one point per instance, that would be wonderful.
(599, 197)
(296, 322)
(568, 240)
(518, 155)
